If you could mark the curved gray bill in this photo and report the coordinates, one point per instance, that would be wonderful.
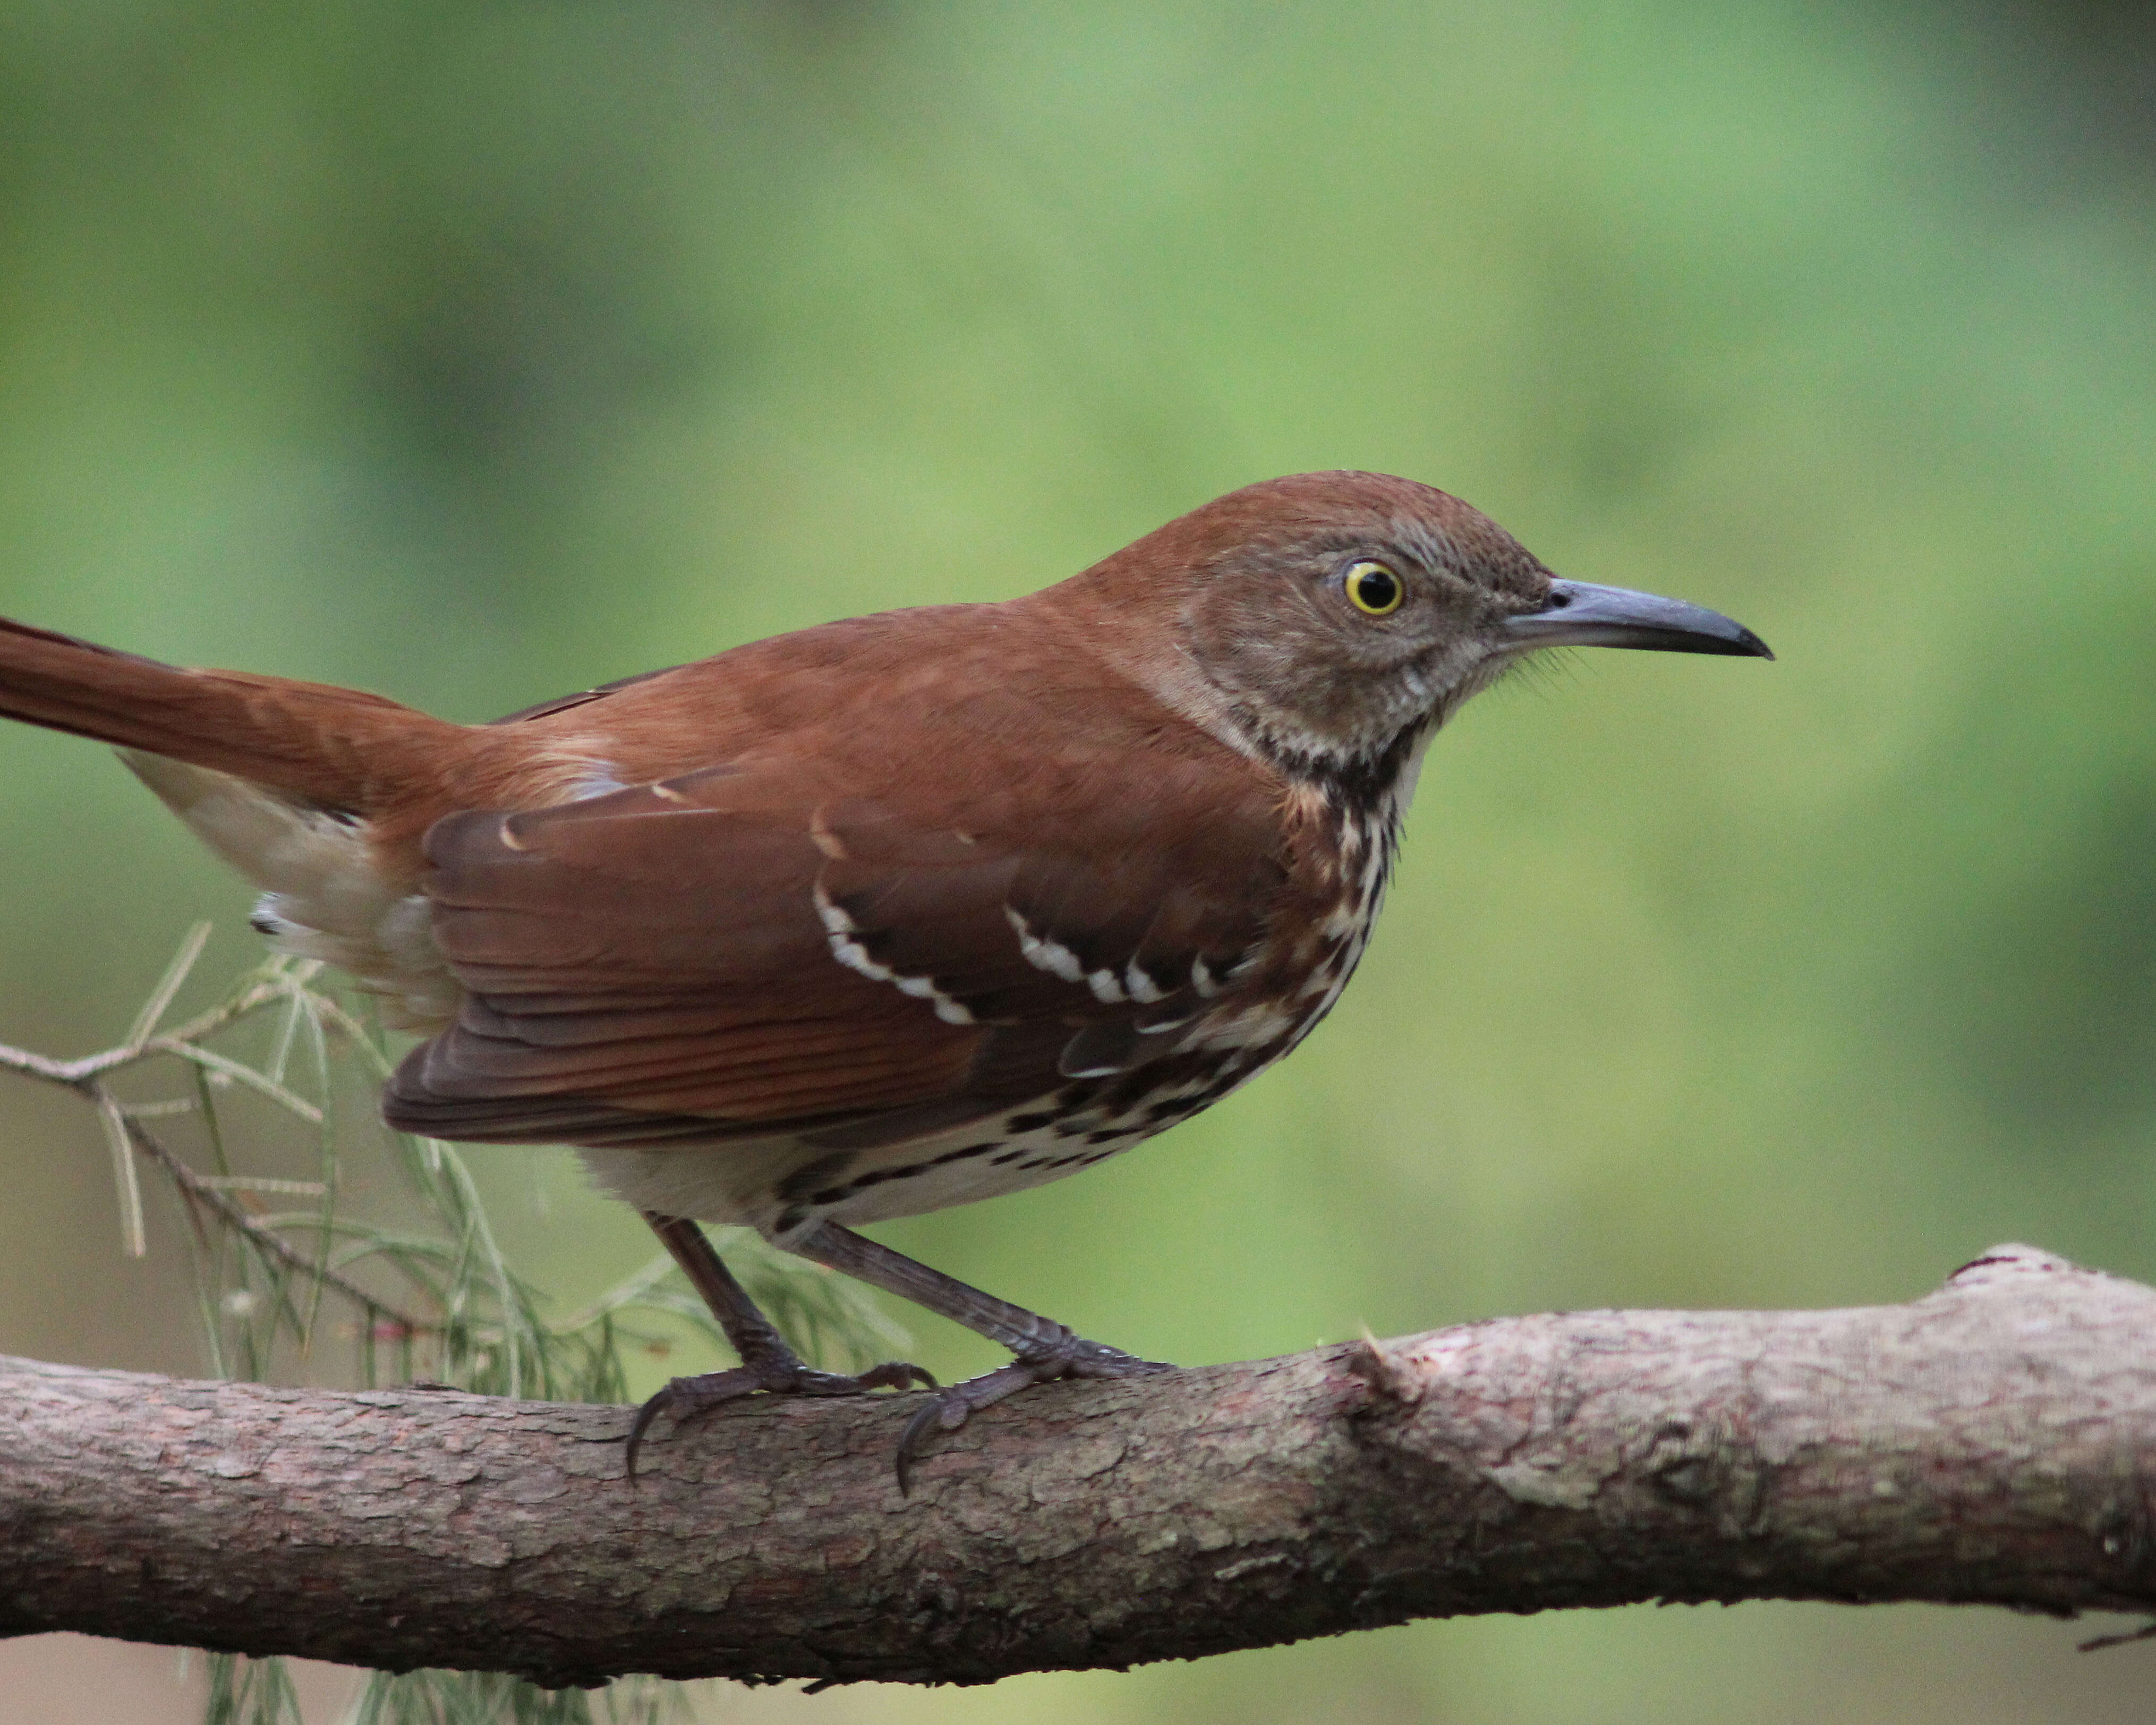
(1581, 614)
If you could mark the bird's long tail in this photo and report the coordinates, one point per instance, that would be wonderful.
(337, 749)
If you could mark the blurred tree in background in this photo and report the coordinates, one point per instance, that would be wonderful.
(473, 352)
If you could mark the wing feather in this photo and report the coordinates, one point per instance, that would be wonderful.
(740, 951)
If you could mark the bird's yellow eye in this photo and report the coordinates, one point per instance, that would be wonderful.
(1374, 590)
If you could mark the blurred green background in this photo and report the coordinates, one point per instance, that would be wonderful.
(475, 353)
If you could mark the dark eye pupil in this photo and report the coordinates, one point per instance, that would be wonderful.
(1378, 588)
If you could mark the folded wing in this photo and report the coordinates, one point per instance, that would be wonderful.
(737, 953)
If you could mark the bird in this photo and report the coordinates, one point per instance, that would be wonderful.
(890, 913)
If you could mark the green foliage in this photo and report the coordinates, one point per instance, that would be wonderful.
(255, 1691)
(428, 1296)
(466, 1698)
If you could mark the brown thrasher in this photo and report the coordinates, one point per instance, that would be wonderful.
(891, 913)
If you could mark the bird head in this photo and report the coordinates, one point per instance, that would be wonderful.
(1325, 617)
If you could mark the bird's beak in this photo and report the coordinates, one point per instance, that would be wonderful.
(1580, 614)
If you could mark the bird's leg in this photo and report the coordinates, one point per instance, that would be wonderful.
(767, 1363)
(1046, 1349)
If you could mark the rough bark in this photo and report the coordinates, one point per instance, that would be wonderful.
(1991, 1442)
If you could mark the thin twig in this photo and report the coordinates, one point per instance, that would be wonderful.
(168, 985)
(280, 979)
(261, 1182)
(628, 1291)
(134, 1238)
(240, 1073)
(198, 1191)
(81, 1076)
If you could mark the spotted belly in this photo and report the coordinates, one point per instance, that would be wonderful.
(782, 1187)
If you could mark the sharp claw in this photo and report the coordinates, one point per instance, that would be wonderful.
(641, 1424)
(701, 1395)
(917, 1428)
(952, 1408)
(685, 1398)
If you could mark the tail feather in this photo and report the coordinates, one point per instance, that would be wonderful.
(335, 748)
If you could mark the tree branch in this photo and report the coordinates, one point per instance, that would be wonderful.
(1991, 1442)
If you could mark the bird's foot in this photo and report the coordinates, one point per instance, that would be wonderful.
(777, 1373)
(1074, 1356)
